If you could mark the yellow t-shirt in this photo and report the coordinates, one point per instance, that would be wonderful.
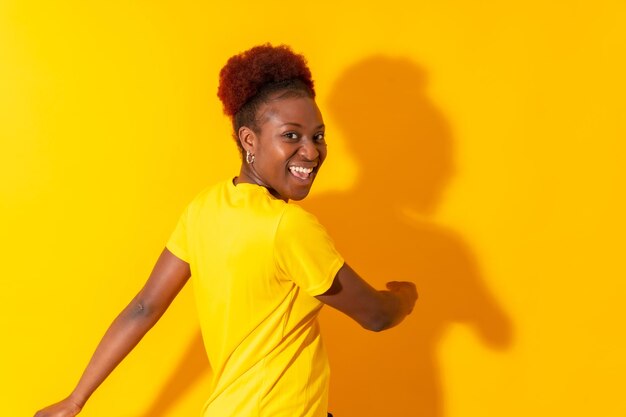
(256, 264)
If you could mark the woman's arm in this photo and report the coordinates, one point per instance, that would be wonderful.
(166, 280)
(374, 310)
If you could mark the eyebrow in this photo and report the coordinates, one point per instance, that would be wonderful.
(299, 125)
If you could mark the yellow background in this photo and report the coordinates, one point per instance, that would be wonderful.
(475, 147)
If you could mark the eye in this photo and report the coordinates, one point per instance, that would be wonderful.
(319, 137)
(291, 135)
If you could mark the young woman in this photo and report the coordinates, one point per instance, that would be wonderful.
(262, 267)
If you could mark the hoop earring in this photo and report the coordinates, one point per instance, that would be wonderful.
(249, 157)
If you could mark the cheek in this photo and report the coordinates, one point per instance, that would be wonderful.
(272, 158)
(323, 151)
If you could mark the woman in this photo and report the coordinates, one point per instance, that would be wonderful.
(262, 267)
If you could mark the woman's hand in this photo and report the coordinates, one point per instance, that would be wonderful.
(406, 291)
(65, 408)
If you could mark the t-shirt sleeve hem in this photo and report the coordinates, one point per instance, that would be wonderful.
(177, 251)
(326, 284)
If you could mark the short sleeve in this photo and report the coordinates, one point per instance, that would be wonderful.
(304, 252)
(177, 243)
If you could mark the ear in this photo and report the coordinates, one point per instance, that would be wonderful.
(247, 138)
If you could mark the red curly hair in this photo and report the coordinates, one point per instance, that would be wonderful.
(249, 78)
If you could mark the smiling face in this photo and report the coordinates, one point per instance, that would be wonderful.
(288, 148)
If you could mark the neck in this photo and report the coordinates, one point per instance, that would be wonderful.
(248, 175)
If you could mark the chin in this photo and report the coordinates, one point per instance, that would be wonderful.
(297, 196)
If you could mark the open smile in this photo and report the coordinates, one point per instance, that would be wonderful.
(303, 173)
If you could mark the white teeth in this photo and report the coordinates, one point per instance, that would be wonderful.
(301, 169)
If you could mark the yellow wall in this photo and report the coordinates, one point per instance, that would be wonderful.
(475, 147)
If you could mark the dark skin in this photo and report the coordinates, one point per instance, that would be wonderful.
(292, 136)
(289, 149)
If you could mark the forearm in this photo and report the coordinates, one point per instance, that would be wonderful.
(121, 337)
(168, 277)
(372, 309)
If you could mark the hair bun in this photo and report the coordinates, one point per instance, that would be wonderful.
(245, 74)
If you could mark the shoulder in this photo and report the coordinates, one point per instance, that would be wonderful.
(294, 214)
(296, 221)
(208, 194)
(208, 191)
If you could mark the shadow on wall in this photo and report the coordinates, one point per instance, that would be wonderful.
(193, 367)
(403, 147)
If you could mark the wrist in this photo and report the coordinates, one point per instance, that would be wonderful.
(78, 400)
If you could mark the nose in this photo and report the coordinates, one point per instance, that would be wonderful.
(308, 150)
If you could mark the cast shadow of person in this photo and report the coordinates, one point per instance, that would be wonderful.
(193, 368)
(403, 148)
